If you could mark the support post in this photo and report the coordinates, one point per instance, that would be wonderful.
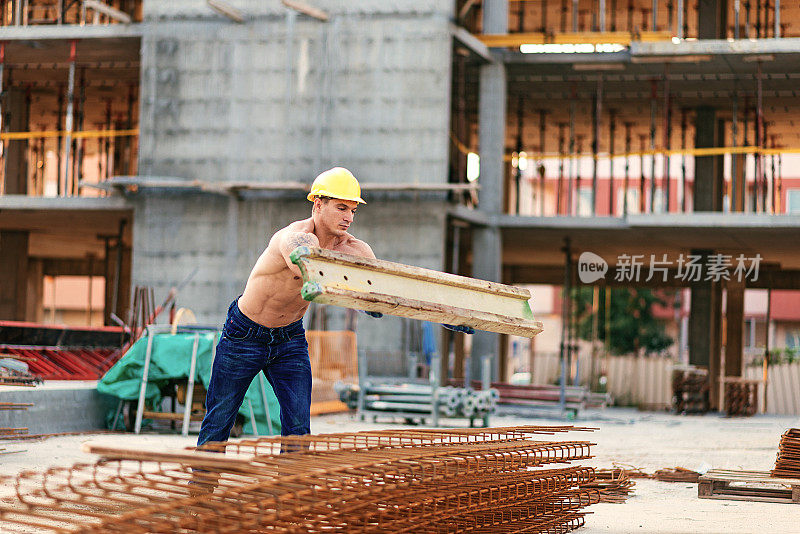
(612, 127)
(68, 124)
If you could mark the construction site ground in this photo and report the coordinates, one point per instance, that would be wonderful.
(626, 437)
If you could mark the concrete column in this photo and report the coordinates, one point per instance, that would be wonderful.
(734, 327)
(704, 328)
(708, 185)
(13, 275)
(487, 257)
(16, 166)
(486, 265)
(34, 307)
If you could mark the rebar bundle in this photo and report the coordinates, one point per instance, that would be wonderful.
(741, 398)
(787, 464)
(460, 480)
(690, 390)
(614, 485)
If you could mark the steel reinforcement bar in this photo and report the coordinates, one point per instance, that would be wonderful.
(415, 481)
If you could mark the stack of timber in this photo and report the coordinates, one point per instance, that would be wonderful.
(457, 480)
(690, 390)
(788, 462)
(741, 397)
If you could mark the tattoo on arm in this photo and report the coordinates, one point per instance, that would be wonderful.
(299, 239)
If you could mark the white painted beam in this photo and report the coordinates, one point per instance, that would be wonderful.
(331, 277)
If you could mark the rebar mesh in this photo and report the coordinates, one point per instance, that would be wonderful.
(461, 480)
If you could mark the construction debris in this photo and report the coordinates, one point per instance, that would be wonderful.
(14, 372)
(614, 485)
(677, 474)
(787, 464)
(458, 480)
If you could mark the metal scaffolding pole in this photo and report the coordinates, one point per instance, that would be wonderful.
(747, 19)
(736, 11)
(602, 15)
(734, 203)
(564, 351)
(544, 16)
(598, 106)
(653, 112)
(79, 152)
(570, 187)
(655, 15)
(746, 128)
(542, 132)
(760, 137)
(518, 171)
(575, 15)
(628, 126)
(612, 131)
(630, 16)
(642, 197)
(777, 17)
(613, 15)
(683, 160)
(561, 140)
(2, 122)
(69, 118)
(773, 189)
(667, 139)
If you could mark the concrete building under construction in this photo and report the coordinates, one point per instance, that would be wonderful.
(144, 139)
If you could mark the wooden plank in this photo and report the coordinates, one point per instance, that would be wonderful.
(406, 291)
(169, 416)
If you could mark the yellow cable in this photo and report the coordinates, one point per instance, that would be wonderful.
(13, 136)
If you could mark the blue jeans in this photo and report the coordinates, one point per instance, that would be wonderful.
(245, 349)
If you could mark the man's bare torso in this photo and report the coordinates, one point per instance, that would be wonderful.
(272, 294)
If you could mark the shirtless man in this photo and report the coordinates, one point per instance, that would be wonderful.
(264, 328)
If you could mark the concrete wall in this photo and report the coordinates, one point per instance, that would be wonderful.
(58, 407)
(283, 96)
(280, 98)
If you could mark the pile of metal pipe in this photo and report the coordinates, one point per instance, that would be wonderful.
(419, 398)
(454, 480)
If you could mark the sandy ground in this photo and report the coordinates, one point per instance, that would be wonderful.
(647, 440)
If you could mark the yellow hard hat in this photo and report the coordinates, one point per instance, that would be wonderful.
(337, 182)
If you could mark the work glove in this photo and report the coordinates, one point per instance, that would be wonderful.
(376, 315)
(459, 328)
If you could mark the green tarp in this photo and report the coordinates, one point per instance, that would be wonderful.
(170, 359)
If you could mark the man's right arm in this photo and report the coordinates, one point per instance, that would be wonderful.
(290, 241)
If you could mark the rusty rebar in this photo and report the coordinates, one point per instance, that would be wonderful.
(458, 480)
(788, 462)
